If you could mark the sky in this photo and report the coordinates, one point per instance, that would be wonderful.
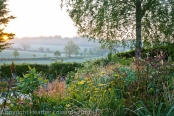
(39, 18)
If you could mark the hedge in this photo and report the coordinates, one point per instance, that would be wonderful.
(169, 49)
(57, 68)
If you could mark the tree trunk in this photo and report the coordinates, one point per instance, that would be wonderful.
(138, 29)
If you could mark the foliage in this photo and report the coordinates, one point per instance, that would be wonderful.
(30, 81)
(15, 53)
(110, 20)
(97, 50)
(21, 69)
(4, 19)
(26, 87)
(53, 70)
(25, 46)
(142, 110)
(168, 49)
(57, 53)
(71, 48)
(149, 82)
(101, 87)
(63, 69)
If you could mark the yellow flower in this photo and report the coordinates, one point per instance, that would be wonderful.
(97, 89)
(109, 89)
(104, 91)
(86, 78)
(68, 105)
(116, 75)
(89, 82)
(101, 85)
(81, 82)
(103, 73)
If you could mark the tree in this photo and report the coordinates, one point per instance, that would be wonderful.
(34, 55)
(45, 55)
(151, 22)
(57, 53)
(25, 46)
(71, 48)
(41, 49)
(4, 20)
(15, 53)
(48, 49)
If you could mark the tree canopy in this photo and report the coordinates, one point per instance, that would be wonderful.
(57, 53)
(15, 53)
(71, 48)
(4, 20)
(144, 22)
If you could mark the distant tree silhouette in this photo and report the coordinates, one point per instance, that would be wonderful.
(45, 55)
(15, 53)
(57, 53)
(48, 49)
(25, 46)
(71, 48)
(41, 49)
(34, 55)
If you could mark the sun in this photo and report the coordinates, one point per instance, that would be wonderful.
(5, 38)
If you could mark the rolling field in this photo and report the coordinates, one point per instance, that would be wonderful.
(34, 47)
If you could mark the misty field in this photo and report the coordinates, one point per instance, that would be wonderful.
(52, 48)
(34, 50)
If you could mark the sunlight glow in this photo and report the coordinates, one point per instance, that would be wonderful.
(45, 18)
(5, 38)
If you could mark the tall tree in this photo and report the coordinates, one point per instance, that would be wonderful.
(15, 53)
(4, 20)
(71, 48)
(110, 20)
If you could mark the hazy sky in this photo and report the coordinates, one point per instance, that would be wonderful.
(39, 18)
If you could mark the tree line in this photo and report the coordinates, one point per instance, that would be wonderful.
(69, 49)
